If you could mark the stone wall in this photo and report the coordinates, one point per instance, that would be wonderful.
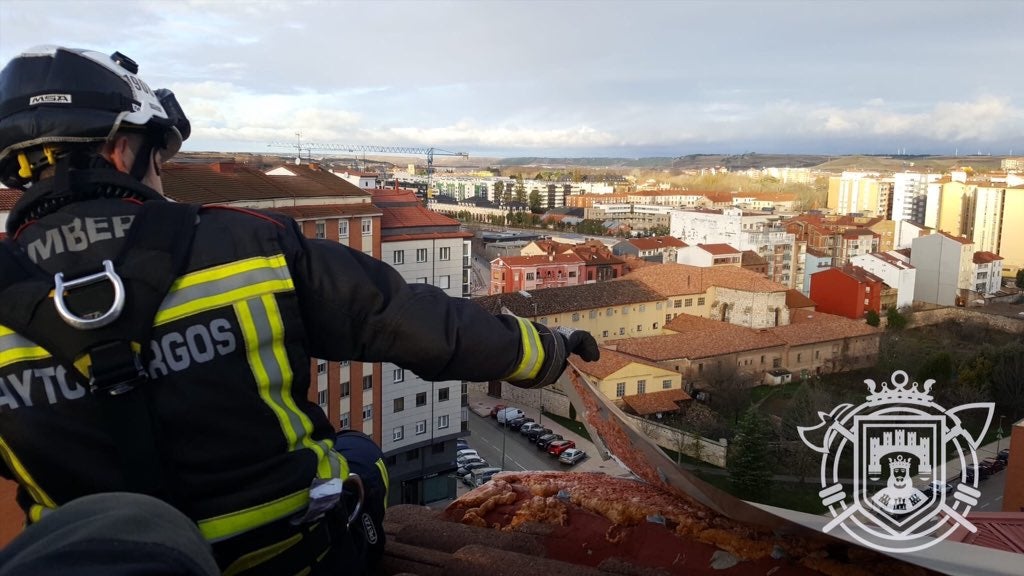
(939, 315)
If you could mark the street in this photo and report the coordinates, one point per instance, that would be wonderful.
(488, 438)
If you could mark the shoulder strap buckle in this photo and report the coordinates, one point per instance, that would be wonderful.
(115, 368)
(75, 321)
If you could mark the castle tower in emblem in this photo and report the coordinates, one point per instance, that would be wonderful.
(899, 440)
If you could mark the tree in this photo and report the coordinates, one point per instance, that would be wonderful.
(872, 318)
(1020, 279)
(1008, 380)
(749, 465)
(520, 191)
(938, 366)
(499, 191)
(730, 390)
(535, 202)
(895, 320)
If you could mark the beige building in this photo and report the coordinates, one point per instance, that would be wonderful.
(1011, 244)
(623, 308)
(858, 192)
(617, 375)
(819, 343)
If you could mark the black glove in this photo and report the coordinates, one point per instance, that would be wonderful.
(581, 343)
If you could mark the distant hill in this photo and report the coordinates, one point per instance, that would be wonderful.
(652, 162)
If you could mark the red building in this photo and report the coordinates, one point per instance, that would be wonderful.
(515, 273)
(849, 291)
(601, 265)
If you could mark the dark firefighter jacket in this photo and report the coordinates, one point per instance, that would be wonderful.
(229, 363)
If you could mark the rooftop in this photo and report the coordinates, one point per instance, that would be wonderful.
(609, 363)
(656, 402)
(718, 249)
(796, 299)
(696, 337)
(549, 301)
(316, 211)
(751, 258)
(657, 242)
(679, 279)
(810, 327)
(225, 182)
(563, 258)
(986, 257)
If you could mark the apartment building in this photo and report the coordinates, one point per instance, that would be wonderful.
(659, 249)
(515, 273)
(849, 291)
(841, 237)
(945, 268)
(815, 261)
(638, 217)
(910, 196)
(743, 230)
(673, 198)
(893, 271)
(987, 273)
(858, 193)
(421, 419)
(705, 255)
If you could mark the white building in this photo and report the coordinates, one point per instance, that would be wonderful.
(910, 196)
(894, 271)
(945, 268)
(988, 272)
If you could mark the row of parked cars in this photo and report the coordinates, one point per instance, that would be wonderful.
(989, 466)
(544, 438)
(472, 469)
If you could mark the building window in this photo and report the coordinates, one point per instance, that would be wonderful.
(575, 316)
(398, 433)
(398, 375)
(421, 427)
(817, 354)
(321, 367)
(321, 229)
(641, 386)
(798, 356)
(529, 275)
(367, 226)
(421, 254)
(368, 412)
(643, 307)
(666, 384)
(700, 301)
(442, 422)
(444, 253)
(342, 229)
(437, 448)
(593, 314)
(321, 398)
(399, 404)
(639, 328)
(657, 305)
(346, 421)
(620, 389)
(368, 382)
(572, 273)
(677, 304)
(346, 389)
(604, 333)
(609, 312)
(421, 398)
(398, 257)
(622, 331)
(776, 362)
(412, 455)
(442, 395)
(625, 309)
(668, 318)
(444, 282)
(700, 368)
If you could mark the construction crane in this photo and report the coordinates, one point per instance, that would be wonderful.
(309, 147)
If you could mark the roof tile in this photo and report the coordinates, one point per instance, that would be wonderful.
(548, 301)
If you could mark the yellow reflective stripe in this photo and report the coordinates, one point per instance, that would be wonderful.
(259, 372)
(15, 348)
(387, 481)
(37, 511)
(533, 353)
(24, 478)
(222, 299)
(227, 270)
(257, 557)
(234, 523)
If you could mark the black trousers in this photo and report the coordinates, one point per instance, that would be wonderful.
(112, 534)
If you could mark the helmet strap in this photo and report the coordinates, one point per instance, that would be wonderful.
(143, 159)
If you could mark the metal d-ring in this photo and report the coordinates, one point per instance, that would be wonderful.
(355, 479)
(100, 321)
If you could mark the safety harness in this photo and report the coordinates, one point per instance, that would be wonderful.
(107, 348)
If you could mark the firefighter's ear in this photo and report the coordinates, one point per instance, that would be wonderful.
(121, 154)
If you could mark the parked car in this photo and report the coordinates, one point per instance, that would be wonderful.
(936, 486)
(535, 433)
(543, 441)
(572, 456)
(509, 413)
(466, 452)
(529, 427)
(994, 464)
(480, 476)
(470, 466)
(982, 472)
(1004, 455)
(463, 460)
(497, 408)
(461, 444)
(518, 422)
(558, 446)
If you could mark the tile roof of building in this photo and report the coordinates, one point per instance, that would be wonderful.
(565, 258)
(317, 211)
(549, 301)
(229, 182)
(656, 402)
(609, 363)
(552, 246)
(404, 210)
(811, 327)
(959, 239)
(678, 279)
(718, 249)
(656, 242)
(595, 253)
(817, 252)
(719, 197)
(859, 274)
(796, 299)
(998, 530)
(696, 337)
(984, 257)
(8, 198)
(856, 233)
(892, 260)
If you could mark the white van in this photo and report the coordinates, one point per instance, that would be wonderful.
(509, 414)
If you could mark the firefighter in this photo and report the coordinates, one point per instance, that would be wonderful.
(161, 348)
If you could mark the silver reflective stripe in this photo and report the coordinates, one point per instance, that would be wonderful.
(214, 287)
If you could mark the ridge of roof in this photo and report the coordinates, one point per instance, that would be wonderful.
(550, 301)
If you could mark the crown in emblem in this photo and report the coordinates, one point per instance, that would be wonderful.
(898, 463)
(901, 389)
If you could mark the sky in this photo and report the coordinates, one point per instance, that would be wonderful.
(598, 78)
